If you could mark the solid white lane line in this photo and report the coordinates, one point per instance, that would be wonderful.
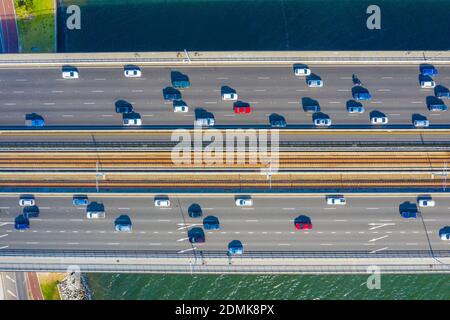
(4, 247)
(186, 250)
(381, 249)
(376, 239)
(10, 279)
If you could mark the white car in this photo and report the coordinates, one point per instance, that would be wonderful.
(229, 96)
(379, 120)
(316, 83)
(322, 122)
(302, 71)
(421, 123)
(132, 73)
(426, 203)
(336, 200)
(180, 108)
(95, 214)
(425, 84)
(27, 202)
(162, 203)
(132, 121)
(244, 202)
(70, 74)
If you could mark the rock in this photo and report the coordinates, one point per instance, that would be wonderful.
(74, 287)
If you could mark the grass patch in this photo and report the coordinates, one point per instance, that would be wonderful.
(36, 24)
(48, 283)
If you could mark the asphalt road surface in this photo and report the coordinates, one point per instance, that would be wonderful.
(365, 223)
(90, 99)
(13, 285)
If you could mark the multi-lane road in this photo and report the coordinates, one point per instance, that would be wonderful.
(366, 223)
(90, 99)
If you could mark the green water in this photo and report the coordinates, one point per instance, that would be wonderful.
(198, 25)
(301, 287)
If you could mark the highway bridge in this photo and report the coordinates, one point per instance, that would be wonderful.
(85, 149)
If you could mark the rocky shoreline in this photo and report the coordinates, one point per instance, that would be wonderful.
(74, 286)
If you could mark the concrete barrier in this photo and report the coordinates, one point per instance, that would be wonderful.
(212, 58)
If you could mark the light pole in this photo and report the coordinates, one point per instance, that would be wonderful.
(98, 175)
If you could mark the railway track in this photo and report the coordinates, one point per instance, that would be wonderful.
(291, 181)
(287, 160)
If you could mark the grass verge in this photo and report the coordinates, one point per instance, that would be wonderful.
(48, 282)
(36, 24)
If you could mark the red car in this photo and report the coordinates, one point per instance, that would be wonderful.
(242, 109)
(303, 225)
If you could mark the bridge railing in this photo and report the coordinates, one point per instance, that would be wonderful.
(167, 254)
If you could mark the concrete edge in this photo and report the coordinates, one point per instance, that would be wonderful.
(228, 58)
(226, 195)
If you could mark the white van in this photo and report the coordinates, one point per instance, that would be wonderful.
(426, 84)
(230, 96)
(95, 214)
(70, 74)
(336, 200)
(164, 203)
(302, 71)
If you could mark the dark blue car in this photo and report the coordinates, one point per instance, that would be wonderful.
(196, 235)
(235, 247)
(428, 71)
(31, 212)
(211, 223)
(362, 96)
(80, 201)
(195, 211)
(21, 223)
